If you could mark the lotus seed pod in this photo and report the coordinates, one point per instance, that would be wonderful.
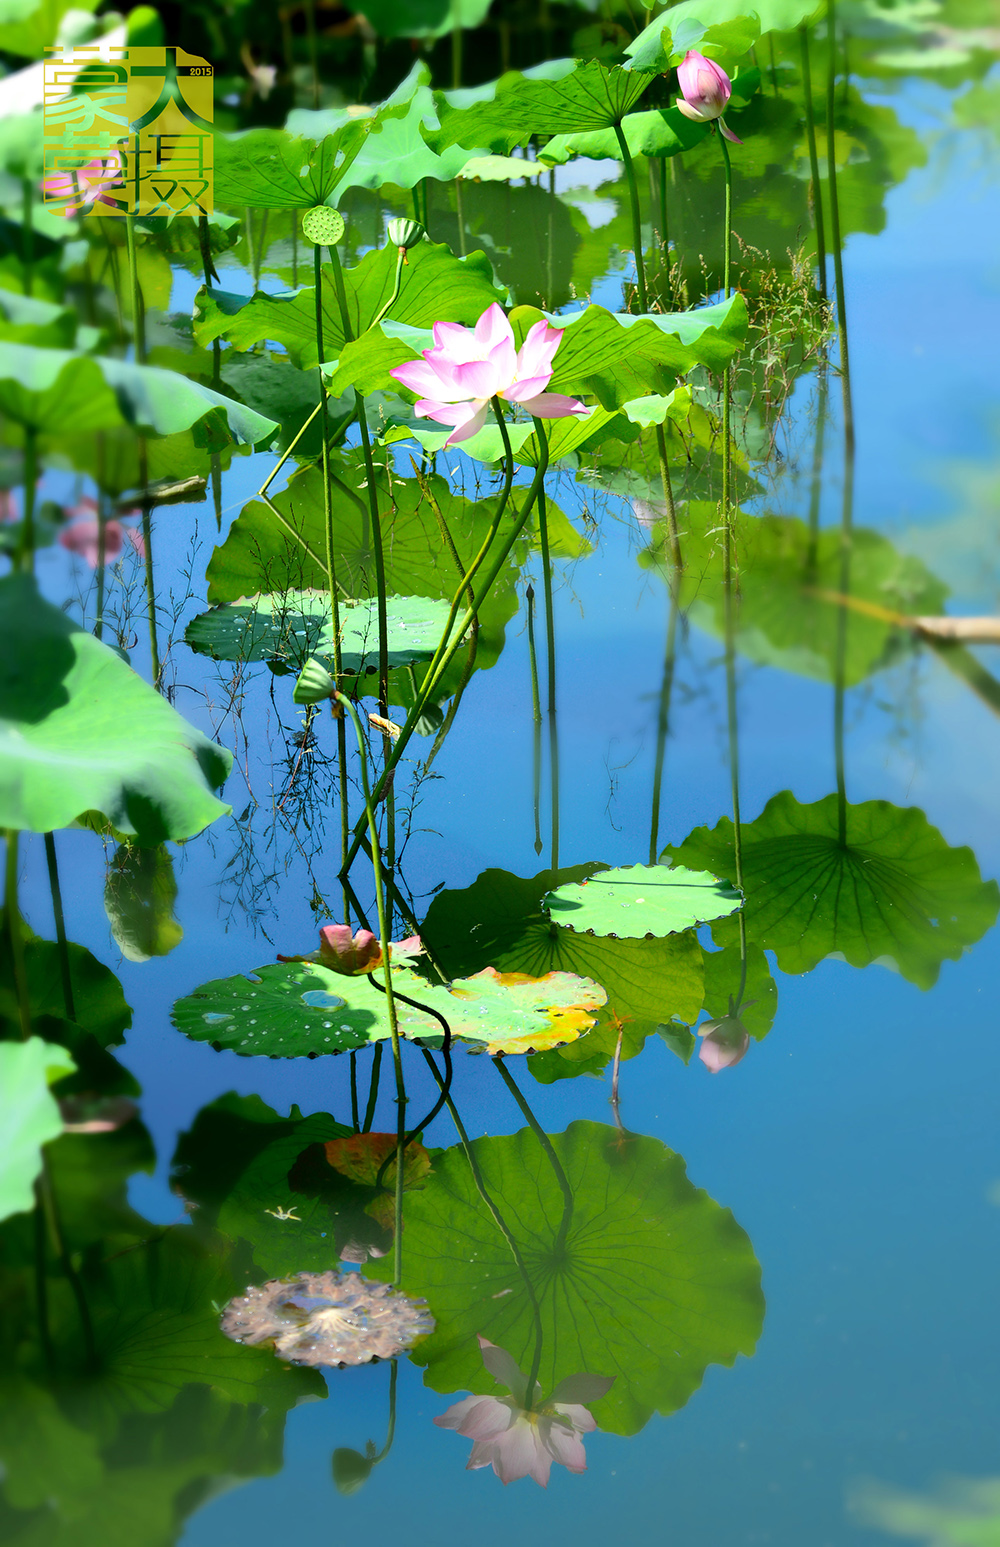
(404, 233)
(314, 683)
(323, 226)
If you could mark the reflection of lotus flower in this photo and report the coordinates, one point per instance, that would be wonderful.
(647, 515)
(327, 1318)
(467, 367)
(706, 89)
(726, 1042)
(518, 1442)
(81, 536)
(88, 184)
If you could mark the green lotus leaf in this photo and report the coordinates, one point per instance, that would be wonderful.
(584, 97)
(642, 900)
(789, 580)
(436, 286)
(55, 392)
(139, 896)
(98, 1001)
(870, 882)
(724, 972)
(500, 169)
(292, 626)
(29, 1116)
(641, 1237)
(80, 732)
(424, 18)
(662, 132)
(714, 27)
(271, 169)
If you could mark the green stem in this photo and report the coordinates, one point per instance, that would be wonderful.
(394, 297)
(27, 223)
(550, 649)
(60, 921)
(536, 711)
(662, 728)
(54, 1220)
(348, 707)
(835, 237)
(727, 256)
(633, 194)
(391, 1426)
(138, 317)
(26, 548)
(147, 538)
(366, 1126)
(13, 918)
(817, 188)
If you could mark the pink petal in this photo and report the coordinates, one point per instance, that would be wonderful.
(493, 329)
(520, 391)
(696, 113)
(536, 354)
(137, 540)
(419, 377)
(454, 343)
(565, 1445)
(552, 405)
(482, 378)
(453, 414)
(520, 1453)
(580, 1417)
(728, 133)
(472, 426)
(478, 1418)
(82, 539)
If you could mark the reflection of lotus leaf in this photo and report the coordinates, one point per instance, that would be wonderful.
(890, 889)
(642, 900)
(654, 1283)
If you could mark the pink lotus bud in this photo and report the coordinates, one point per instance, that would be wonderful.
(726, 1042)
(705, 91)
(349, 954)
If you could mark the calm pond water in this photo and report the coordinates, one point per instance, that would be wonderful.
(847, 1391)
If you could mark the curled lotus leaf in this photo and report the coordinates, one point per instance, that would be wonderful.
(642, 900)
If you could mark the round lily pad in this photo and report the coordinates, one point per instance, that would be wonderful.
(643, 900)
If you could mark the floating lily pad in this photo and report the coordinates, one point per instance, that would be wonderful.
(885, 887)
(642, 900)
(292, 627)
(653, 1283)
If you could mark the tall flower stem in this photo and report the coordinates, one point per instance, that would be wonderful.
(663, 726)
(12, 917)
(550, 660)
(446, 652)
(60, 921)
(640, 285)
(139, 345)
(536, 714)
(26, 548)
(348, 707)
(835, 236)
(816, 185)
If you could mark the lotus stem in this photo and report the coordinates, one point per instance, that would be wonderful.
(13, 919)
(60, 921)
(26, 548)
(536, 711)
(817, 189)
(663, 727)
(550, 656)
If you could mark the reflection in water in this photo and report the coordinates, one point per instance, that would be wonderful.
(326, 1318)
(962, 1512)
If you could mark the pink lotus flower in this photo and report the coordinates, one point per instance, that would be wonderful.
(81, 538)
(705, 90)
(88, 184)
(725, 1043)
(520, 1442)
(467, 367)
(8, 507)
(351, 955)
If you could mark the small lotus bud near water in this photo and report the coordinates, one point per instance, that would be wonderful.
(404, 233)
(340, 951)
(314, 683)
(705, 91)
(323, 226)
(725, 1043)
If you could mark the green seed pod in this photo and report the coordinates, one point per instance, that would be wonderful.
(323, 226)
(314, 684)
(404, 233)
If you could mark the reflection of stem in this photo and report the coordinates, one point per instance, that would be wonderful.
(391, 1428)
(57, 909)
(345, 703)
(536, 712)
(415, 1004)
(817, 190)
(838, 258)
(373, 1089)
(54, 1221)
(615, 1071)
(355, 1119)
(663, 728)
(816, 483)
(13, 918)
(503, 1227)
(550, 1153)
(41, 1284)
(550, 649)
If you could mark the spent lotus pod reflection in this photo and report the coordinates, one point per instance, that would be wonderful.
(467, 367)
(705, 91)
(518, 1441)
(327, 1319)
(724, 1043)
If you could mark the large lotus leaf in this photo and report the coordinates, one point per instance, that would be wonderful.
(29, 1116)
(396, 150)
(422, 18)
(661, 132)
(872, 882)
(587, 96)
(436, 286)
(723, 974)
(56, 392)
(271, 169)
(258, 554)
(98, 1002)
(617, 356)
(790, 577)
(642, 900)
(139, 896)
(301, 1009)
(702, 24)
(81, 732)
(654, 1282)
(288, 628)
(467, 929)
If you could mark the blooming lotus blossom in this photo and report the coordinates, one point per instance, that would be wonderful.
(89, 184)
(725, 1043)
(517, 1441)
(705, 91)
(82, 538)
(327, 1319)
(467, 367)
(351, 955)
